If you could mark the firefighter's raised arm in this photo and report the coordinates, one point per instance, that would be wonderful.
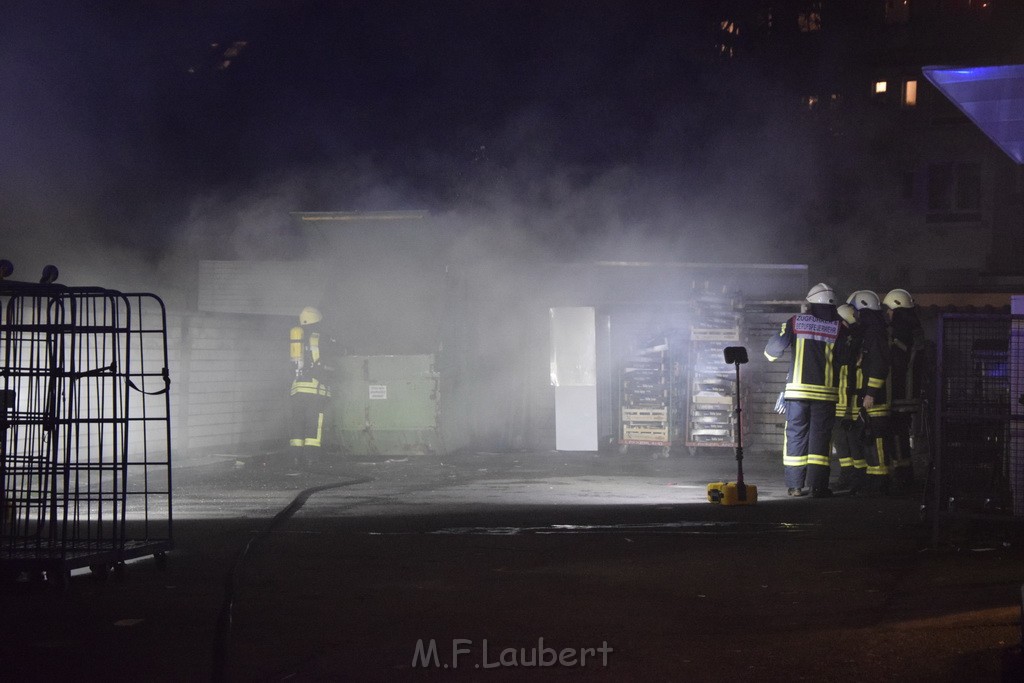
(778, 344)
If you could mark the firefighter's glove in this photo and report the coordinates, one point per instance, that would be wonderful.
(866, 421)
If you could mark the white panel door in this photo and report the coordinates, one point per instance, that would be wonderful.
(574, 377)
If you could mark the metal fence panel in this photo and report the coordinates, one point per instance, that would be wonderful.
(84, 428)
(1016, 445)
(979, 449)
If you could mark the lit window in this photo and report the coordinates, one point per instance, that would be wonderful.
(881, 87)
(910, 94)
(809, 22)
(727, 39)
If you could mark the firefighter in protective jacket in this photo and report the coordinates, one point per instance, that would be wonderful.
(811, 390)
(311, 353)
(907, 344)
(873, 389)
(846, 433)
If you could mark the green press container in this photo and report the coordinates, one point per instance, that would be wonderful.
(387, 405)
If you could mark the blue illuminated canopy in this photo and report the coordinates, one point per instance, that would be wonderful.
(991, 96)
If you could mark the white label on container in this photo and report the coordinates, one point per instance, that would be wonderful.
(378, 392)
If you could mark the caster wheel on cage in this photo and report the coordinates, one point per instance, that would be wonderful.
(161, 560)
(59, 580)
(9, 576)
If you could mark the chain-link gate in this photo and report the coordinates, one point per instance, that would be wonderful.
(978, 435)
(85, 465)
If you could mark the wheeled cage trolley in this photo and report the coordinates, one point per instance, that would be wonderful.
(85, 444)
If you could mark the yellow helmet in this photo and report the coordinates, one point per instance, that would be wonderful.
(846, 313)
(864, 298)
(899, 298)
(309, 316)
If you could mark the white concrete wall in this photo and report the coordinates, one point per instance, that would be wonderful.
(229, 382)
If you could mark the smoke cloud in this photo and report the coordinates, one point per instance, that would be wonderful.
(142, 141)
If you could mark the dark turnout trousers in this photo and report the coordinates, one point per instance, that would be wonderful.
(808, 439)
(878, 453)
(307, 423)
(848, 446)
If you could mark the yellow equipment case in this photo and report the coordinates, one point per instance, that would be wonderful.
(729, 493)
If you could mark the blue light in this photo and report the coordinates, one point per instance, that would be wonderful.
(986, 94)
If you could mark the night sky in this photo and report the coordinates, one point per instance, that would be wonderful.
(117, 121)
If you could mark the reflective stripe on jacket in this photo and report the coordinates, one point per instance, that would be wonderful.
(874, 365)
(813, 376)
(307, 382)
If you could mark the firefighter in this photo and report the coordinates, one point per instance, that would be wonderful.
(811, 390)
(311, 353)
(873, 386)
(847, 433)
(906, 339)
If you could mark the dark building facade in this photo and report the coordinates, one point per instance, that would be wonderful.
(908, 191)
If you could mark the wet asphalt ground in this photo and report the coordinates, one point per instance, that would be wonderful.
(546, 566)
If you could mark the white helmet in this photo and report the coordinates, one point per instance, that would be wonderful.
(899, 298)
(821, 294)
(846, 313)
(865, 298)
(309, 316)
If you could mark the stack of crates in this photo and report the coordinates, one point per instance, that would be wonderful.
(763, 428)
(647, 397)
(712, 384)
